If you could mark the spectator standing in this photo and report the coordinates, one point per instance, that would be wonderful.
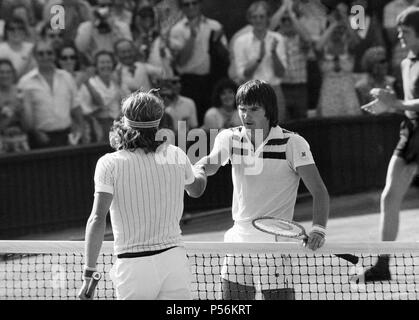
(50, 101)
(313, 16)
(260, 54)
(144, 31)
(190, 41)
(70, 61)
(102, 33)
(375, 63)
(16, 49)
(337, 96)
(223, 114)
(110, 91)
(12, 136)
(297, 45)
(180, 108)
(132, 74)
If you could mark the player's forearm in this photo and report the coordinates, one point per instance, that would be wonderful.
(321, 207)
(95, 232)
(197, 188)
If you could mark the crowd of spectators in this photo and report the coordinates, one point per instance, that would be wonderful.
(65, 86)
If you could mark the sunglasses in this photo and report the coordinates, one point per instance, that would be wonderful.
(189, 4)
(69, 57)
(46, 53)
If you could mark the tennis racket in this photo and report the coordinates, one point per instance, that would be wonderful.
(289, 229)
(96, 276)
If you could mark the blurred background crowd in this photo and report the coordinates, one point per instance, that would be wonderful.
(64, 86)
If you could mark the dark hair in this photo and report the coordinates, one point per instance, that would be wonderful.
(10, 64)
(76, 52)
(219, 87)
(409, 18)
(14, 21)
(257, 92)
(138, 11)
(140, 107)
(104, 53)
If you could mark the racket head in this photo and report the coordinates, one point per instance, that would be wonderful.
(280, 227)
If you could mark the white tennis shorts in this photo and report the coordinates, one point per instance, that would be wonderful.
(262, 271)
(164, 276)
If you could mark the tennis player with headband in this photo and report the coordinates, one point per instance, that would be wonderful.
(142, 184)
(267, 164)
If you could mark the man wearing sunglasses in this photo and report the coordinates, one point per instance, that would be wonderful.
(190, 40)
(103, 32)
(50, 101)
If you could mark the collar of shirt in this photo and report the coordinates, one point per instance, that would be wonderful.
(274, 133)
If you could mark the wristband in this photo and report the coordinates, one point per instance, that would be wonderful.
(88, 272)
(319, 229)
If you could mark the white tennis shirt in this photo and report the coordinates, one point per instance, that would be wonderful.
(148, 192)
(265, 180)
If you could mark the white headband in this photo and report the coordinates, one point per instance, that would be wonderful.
(142, 125)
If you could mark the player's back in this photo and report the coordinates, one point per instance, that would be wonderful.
(148, 197)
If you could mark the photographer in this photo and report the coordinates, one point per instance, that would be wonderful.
(101, 33)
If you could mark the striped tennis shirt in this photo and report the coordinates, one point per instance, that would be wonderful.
(148, 192)
(265, 180)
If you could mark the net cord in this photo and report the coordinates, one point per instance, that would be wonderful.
(39, 247)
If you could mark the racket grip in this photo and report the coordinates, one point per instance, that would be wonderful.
(92, 284)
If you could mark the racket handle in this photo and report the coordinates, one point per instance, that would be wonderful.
(92, 284)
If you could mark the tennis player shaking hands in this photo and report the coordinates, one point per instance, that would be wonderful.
(267, 165)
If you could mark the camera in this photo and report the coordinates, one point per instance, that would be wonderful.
(101, 21)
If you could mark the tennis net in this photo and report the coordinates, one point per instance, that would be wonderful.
(53, 270)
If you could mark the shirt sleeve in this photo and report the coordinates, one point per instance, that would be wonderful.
(105, 175)
(298, 152)
(222, 147)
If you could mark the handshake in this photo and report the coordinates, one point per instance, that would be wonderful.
(197, 188)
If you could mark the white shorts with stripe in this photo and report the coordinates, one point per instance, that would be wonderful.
(164, 276)
(262, 271)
